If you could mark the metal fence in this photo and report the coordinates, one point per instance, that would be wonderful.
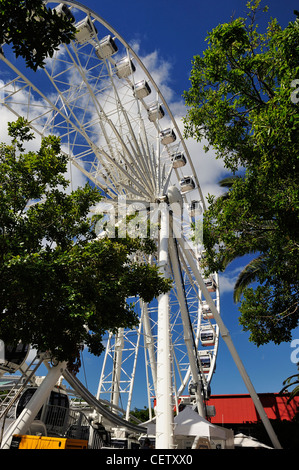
(73, 424)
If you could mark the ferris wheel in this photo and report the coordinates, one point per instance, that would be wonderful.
(117, 129)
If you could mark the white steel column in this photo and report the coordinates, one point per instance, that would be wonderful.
(149, 344)
(118, 351)
(104, 366)
(227, 339)
(164, 408)
(133, 371)
(22, 423)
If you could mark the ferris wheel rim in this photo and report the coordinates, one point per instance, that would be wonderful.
(153, 83)
(145, 70)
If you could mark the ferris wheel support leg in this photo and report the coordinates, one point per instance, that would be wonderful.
(164, 408)
(228, 341)
(186, 325)
(27, 416)
(119, 346)
(149, 344)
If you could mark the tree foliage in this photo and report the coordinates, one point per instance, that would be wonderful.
(34, 30)
(141, 414)
(61, 287)
(292, 381)
(240, 100)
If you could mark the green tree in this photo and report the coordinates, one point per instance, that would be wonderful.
(141, 414)
(240, 101)
(61, 287)
(34, 30)
(292, 381)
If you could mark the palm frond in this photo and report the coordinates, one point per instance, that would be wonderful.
(229, 255)
(248, 275)
(228, 181)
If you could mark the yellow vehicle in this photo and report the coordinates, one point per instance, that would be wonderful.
(43, 442)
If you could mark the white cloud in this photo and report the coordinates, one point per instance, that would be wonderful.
(228, 279)
(209, 170)
(226, 283)
(73, 174)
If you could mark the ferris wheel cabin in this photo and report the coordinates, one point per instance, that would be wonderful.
(141, 89)
(124, 67)
(155, 112)
(187, 184)
(205, 361)
(63, 10)
(106, 47)
(195, 208)
(178, 160)
(54, 413)
(207, 313)
(167, 136)
(210, 284)
(14, 357)
(207, 336)
(85, 31)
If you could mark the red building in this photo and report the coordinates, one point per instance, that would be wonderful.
(240, 409)
(237, 412)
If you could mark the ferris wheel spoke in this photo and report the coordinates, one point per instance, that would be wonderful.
(105, 118)
(134, 172)
(147, 160)
(140, 162)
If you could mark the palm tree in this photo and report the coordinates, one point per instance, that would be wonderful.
(249, 274)
(289, 382)
(256, 267)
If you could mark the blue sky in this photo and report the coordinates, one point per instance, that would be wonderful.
(175, 31)
(167, 34)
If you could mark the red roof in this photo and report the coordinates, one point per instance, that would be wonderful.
(240, 408)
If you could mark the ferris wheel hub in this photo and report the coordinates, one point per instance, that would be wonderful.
(175, 197)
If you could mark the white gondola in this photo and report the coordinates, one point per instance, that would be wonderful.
(141, 89)
(205, 361)
(187, 184)
(125, 443)
(167, 136)
(124, 67)
(54, 413)
(85, 31)
(207, 313)
(195, 208)
(155, 111)
(106, 47)
(210, 284)
(14, 357)
(178, 160)
(63, 10)
(207, 336)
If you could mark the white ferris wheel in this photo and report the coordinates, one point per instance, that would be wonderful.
(117, 129)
